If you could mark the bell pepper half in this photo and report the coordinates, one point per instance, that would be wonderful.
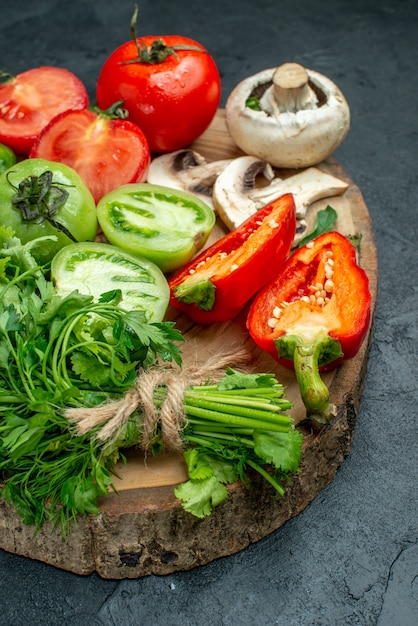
(314, 315)
(216, 284)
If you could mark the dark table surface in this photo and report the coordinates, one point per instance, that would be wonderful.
(351, 557)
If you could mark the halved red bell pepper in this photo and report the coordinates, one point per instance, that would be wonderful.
(314, 315)
(216, 285)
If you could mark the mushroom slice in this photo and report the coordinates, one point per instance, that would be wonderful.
(186, 170)
(231, 191)
(307, 187)
(236, 195)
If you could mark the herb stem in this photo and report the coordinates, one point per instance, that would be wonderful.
(232, 410)
(19, 365)
(262, 403)
(266, 476)
(238, 420)
(9, 370)
(273, 390)
(60, 349)
(204, 425)
(201, 437)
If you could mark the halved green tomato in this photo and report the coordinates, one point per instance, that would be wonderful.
(164, 225)
(7, 157)
(96, 268)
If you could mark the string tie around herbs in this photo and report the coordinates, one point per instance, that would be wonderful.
(114, 415)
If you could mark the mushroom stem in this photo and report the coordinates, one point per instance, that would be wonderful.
(290, 91)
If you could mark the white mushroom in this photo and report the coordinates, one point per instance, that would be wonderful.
(302, 116)
(236, 195)
(186, 170)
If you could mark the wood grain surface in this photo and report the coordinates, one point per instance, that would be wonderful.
(142, 529)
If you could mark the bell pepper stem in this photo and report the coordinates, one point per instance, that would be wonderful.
(314, 392)
(307, 357)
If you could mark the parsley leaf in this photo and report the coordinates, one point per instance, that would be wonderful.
(200, 496)
(282, 450)
(325, 220)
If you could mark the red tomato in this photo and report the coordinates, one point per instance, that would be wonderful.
(104, 151)
(173, 101)
(30, 100)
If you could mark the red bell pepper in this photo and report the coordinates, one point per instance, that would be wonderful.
(314, 315)
(216, 285)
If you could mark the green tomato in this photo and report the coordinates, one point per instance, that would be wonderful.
(96, 268)
(7, 157)
(159, 223)
(42, 198)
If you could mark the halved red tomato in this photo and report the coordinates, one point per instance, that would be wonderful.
(105, 151)
(28, 101)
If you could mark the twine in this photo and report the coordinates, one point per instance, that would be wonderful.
(171, 417)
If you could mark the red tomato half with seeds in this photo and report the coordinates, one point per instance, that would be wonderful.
(31, 99)
(106, 152)
(170, 86)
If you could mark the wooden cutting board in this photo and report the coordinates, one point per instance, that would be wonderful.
(143, 529)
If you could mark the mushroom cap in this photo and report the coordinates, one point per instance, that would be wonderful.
(291, 139)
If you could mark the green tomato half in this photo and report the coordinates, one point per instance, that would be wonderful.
(42, 198)
(96, 268)
(162, 224)
(7, 157)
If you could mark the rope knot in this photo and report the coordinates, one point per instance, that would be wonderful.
(168, 412)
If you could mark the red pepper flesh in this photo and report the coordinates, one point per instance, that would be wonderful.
(215, 286)
(314, 315)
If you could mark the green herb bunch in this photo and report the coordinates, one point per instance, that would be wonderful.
(57, 352)
(61, 352)
(236, 425)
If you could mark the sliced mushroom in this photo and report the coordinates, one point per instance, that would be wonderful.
(301, 118)
(307, 186)
(186, 170)
(236, 195)
(232, 188)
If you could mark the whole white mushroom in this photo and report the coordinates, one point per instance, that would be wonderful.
(300, 117)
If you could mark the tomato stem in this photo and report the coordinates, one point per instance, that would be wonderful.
(158, 51)
(5, 77)
(115, 111)
(38, 198)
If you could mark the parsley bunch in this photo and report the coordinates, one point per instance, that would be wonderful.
(57, 352)
(233, 426)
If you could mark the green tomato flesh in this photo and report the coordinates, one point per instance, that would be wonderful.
(96, 268)
(77, 215)
(164, 225)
